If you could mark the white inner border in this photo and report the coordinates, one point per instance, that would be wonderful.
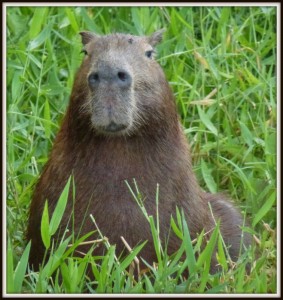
(131, 4)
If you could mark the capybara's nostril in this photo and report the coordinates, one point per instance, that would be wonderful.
(122, 76)
(93, 79)
(109, 76)
(124, 79)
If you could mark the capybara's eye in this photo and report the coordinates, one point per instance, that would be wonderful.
(84, 51)
(149, 53)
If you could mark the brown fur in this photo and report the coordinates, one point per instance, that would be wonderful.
(150, 147)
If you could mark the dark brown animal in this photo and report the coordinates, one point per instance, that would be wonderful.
(121, 124)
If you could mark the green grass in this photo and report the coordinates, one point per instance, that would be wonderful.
(220, 62)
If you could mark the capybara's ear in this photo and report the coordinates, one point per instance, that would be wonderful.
(156, 37)
(88, 36)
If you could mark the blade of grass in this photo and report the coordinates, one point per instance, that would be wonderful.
(59, 209)
(20, 270)
(44, 228)
(264, 209)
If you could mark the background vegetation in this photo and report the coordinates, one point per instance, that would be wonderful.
(220, 62)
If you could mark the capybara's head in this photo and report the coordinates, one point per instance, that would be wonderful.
(123, 83)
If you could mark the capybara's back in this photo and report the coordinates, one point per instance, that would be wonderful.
(122, 124)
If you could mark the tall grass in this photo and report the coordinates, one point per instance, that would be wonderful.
(220, 62)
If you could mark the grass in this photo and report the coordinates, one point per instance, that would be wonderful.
(220, 62)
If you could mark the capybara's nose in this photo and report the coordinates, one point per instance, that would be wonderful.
(119, 77)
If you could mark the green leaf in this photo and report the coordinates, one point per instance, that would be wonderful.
(35, 60)
(173, 266)
(156, 240)
(45, 226)
(94, 269)
(47, 117)
(149, 286)
(16, 86)
(264, 209)
(241, 173)
(82, 270)
(240, 276)
(208, 178)
(263, 283)
(111, 260)
(20, 270)
(217, 289)
(54, 261)
(136, 20)
(246, 134)
(200, 237)
(78, 242)
(10, 268)
(41, 38)
(270, 144)
(72, 19)
(206, 121)
(37, 21)
(70, 274)
(59, 209)
(221, 255)
(188, 246)
(102, 282)
(126, 262)
(66, 276)
(205, 256)
(179, 218)
(175, 228)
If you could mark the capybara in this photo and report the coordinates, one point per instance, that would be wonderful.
(122, 124)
